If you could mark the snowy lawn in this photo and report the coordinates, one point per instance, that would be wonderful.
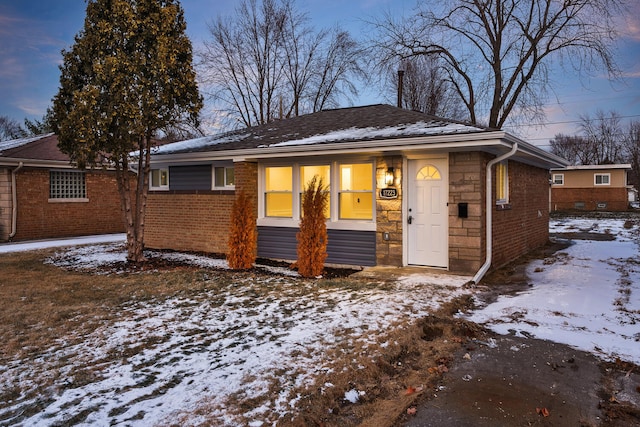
(237, 350)
(587, 296)
(243, 348)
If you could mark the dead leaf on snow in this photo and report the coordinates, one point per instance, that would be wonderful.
(542, 411)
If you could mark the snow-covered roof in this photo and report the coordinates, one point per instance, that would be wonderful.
(374, 122)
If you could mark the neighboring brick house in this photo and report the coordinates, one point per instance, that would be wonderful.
(43, 196)
(405, 189)
(590, 188)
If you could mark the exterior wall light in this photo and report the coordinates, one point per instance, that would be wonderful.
(389, 177)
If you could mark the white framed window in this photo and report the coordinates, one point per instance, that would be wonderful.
(67, 185)
(351, 190)
(159, 179)
(558, 179)
(602, 179)
(307, 172)
(278, 195)
(502, 183)
(224, 177)
(355, 194)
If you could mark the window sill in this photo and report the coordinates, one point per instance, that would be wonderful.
(78, 200)
(503, 206)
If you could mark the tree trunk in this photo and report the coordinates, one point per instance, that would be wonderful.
(134, 209)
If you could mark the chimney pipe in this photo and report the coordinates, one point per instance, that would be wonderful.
(400, 84)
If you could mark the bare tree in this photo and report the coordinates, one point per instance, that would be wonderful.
(337, 69)
(601, 140)
(632, 152)
(268, 62)
(425, 88)
(573, 148)
(605, 135)
(241, 61)
(10, 129)
(498, 52)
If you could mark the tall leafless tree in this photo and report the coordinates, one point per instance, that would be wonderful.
(605, 135)
(267, 62)
(631, 143)
(574, 148)
(498, 52)
(425, 88)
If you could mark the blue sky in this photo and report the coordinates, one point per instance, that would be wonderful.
(33, 32)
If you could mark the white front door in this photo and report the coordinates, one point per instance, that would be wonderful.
(427, 212)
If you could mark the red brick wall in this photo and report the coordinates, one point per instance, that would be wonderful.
(197, 220)
(566, 198)
(38, 218)
(188, 221)
(523, 226)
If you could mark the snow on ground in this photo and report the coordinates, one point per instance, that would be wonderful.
(586, 296)
(224, 346)
(165, 357)
(55, 243)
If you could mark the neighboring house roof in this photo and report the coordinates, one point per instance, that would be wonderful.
(595, 167)
(381, 128)
(41, 150)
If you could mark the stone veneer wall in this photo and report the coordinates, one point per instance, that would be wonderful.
(389, 214)
(466, 236)
(6, 204)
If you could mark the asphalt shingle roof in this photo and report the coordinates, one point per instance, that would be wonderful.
(41, 147)
(374, 122)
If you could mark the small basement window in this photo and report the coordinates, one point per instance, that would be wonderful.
(159, 179)
(67, 185)
(602, 179)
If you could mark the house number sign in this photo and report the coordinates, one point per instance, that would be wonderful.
(388, 193)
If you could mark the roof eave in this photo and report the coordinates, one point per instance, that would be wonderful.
(491, 141)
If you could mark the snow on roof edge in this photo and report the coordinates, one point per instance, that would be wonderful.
(15, 143)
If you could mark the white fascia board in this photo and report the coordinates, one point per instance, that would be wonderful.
(495, 141)
(14, 161)
(595, 167)
(451, 141)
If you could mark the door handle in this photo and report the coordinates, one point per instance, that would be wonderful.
(409, 219)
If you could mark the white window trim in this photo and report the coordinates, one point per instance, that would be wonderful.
(595, 179)
(213, 177)
(333, 222)
(160, 187)
(561, 176)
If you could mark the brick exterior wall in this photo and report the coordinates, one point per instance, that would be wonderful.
(563, 199)
(188, 221)
(389, 215)
(466, 235)
(524, 226)
(39, 218)
(197, 220)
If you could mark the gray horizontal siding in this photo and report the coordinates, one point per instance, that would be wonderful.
(196, 177)
(344, 247)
